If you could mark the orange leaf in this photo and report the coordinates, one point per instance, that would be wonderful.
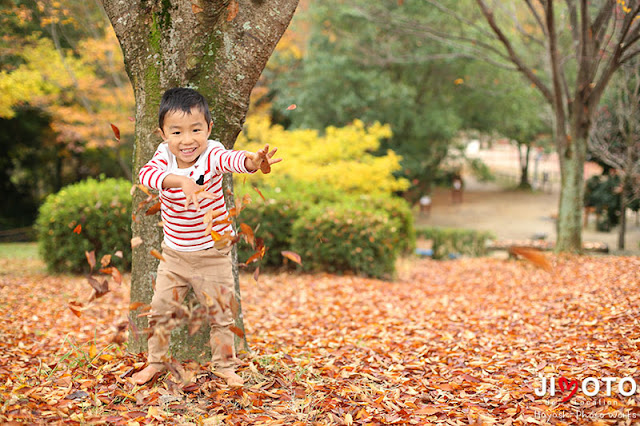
(91, 258)
(196, 9)
(116, 132)
(256, 274)
(292, 107)
(117, 276)
(106, 260)
(144, 189)
(76, 308)
(534, 256)
(216, 236)
(153, 209)
(259, 193)
(248, 233)
(135, 305)
(254, 257)
(237, 331)
(77, 229)
(233, 9)
(292, 256)
(155, 253)
(107, 271)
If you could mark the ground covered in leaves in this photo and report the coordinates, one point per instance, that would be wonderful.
(459, 342)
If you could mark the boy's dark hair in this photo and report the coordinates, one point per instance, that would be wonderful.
(182, 99)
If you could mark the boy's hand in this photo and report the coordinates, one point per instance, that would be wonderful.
(263, 159)
(194, 192)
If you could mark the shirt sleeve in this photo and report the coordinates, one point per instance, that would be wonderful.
(153, 173)
(227, 161)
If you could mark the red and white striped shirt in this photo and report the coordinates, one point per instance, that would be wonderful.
(183, 229)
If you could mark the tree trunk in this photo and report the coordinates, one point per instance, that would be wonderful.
(216, 47)
(569, 226)
(524, 166)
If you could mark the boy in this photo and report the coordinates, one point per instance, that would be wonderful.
(187, 169)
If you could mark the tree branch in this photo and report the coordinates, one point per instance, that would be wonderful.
(512, 54)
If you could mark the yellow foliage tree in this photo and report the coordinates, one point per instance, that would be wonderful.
(341, 157)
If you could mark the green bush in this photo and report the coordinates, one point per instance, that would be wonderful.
(341, 238)
(272, 220)
(102, 208)
(454, 241)
(397, 209)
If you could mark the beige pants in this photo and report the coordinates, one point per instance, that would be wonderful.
(210, 275)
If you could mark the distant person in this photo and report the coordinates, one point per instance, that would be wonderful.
(425, 205)
(456, 190)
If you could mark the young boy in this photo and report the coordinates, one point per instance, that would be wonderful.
(187, 169)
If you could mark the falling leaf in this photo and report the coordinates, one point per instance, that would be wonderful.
(254, 257)
(248, 234)
(135, 305)
(116, 275)
(119, 254)
(155, 253)
(76, 308)
(135, 242)
(91, 258)
(101, 288)
(292, 107)
(259, 193)
(144, 189)
(153, 209)
(292, 256)
(256, 274)
(116, 132)
(233, 9)
(235, 307)
(458, 81)
(237, 331)
(77, 229)
(106, 259)
(196, 9)
(216, 236)
(535, 256)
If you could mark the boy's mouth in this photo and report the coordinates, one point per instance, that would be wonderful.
(188, 151)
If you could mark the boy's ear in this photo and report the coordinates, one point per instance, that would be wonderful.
(160, 133)
(210, 127)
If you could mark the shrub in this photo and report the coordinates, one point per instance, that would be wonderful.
(448, 241)
(397, 209)
(272, 221)
(103, 210)
(340, 238)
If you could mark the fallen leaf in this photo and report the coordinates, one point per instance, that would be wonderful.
(76, 308)
(77, 229)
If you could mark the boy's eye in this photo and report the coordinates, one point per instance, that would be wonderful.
(175, 133)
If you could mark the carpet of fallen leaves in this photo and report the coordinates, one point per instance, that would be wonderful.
(458, 342)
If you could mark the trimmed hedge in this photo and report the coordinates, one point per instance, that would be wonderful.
(339, 238)
(286, 205)
(448, 241)
(103, 210)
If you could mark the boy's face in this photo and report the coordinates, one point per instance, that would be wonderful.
(186, 135)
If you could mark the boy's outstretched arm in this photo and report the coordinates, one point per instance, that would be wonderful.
(192, 191)
(263, 159)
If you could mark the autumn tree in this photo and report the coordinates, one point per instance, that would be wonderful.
(615, 138)
(217, 47)
(567, 50)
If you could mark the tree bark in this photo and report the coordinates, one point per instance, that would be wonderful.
(216, 47)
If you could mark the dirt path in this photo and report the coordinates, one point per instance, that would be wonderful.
(512, 214)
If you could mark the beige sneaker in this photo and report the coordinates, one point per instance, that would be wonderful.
(230, 376)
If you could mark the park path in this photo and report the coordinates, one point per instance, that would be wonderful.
(514, 214)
